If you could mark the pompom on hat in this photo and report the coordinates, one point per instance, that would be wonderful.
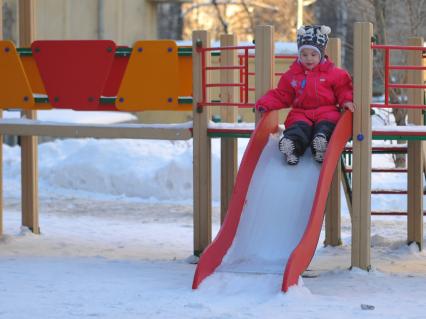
(314, 37)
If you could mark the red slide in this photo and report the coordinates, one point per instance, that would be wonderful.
(276, 211)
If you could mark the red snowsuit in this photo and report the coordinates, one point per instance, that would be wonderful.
(312, 94)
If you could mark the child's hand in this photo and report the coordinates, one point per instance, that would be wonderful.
(349, 106)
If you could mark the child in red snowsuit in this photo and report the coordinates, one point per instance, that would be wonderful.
(315, 89)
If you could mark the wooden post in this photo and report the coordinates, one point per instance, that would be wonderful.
(202, 150)
(1, 137)
(414, 153)
(332, 210)
(361, 180)
(264, 62)
(229, 114)
(29, 158)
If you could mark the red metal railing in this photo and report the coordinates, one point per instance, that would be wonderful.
(388, 67)
(244, 80)
(244, 74)
(241, 59)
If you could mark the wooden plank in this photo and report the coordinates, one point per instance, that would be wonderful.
(133, 131)
(414, 151)
(201, 151)
(264, 62)
(333, 207)
(361, 197)
(332, 212)
(334, 51)
(29, 157)
(228, 114)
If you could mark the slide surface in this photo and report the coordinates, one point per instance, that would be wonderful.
(276, 211)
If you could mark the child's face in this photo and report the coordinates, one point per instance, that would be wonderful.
(309, 58)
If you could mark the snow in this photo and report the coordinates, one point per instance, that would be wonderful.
(75, 117)
(116, 234)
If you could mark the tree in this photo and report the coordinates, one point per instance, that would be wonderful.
(241, 16)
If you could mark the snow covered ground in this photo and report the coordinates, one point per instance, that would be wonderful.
(116, 231)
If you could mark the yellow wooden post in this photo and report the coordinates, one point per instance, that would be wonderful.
(414, 153)
(361, 190)
(1, 137)
(201, 150)
(332, 210)
(229, 114)
(29, 158)
(264, 62)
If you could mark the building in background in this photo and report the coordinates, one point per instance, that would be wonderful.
(123, 21)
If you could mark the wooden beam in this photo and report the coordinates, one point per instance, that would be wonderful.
(414, 151)
(228, 114)
(264, 62)
(201, 150)
(333, 207)
(29, 157)
(361, 174)
(134, 131)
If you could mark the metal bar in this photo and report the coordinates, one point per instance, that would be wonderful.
(381, 170)
(400, 137)
(240, 59)
(224, 84)
(229, 48)
(203, 76)
(397, 47)
(398, 106)
(388, 192)
(246, 79)
(387, 57)
(407, 86)
(242, 105)
(111, 100)
(383, 149)
(224, 68)
(120, 51)
(406, 67)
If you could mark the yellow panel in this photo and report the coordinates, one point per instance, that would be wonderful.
(36, 83)
(151, 78)
(15, 89)
(185, 76)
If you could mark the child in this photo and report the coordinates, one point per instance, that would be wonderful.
(313, 87)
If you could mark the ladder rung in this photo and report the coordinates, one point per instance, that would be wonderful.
(390, 191)
(390, 213)
(381, 170)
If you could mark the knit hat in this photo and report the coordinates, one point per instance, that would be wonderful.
(314, 37)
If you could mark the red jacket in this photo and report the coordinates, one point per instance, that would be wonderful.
(300, 88)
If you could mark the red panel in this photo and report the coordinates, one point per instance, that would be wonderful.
(301, 257)
(213, 255)
(116, 75)
(75, 72)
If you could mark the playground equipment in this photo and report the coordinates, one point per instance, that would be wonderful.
(111, 84)
(240, 246)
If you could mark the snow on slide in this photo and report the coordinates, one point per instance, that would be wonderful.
(276, 211)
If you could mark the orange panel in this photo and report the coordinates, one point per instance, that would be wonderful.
(33, 75)
(185, 76)
(15, 89)
(151, 78)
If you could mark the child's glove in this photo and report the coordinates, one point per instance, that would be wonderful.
(261, 109)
